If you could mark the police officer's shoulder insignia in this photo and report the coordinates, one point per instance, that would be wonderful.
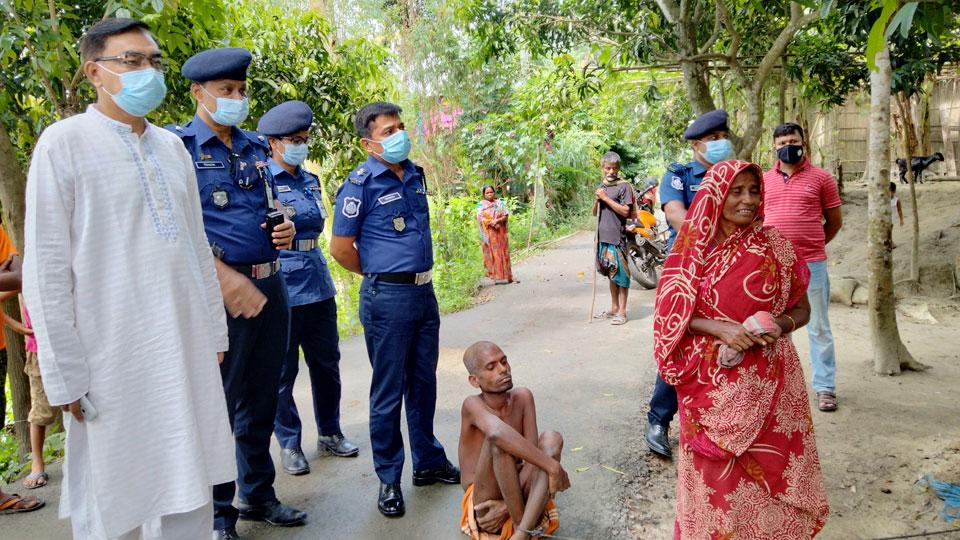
(359, 176)
(221, 198)
(351, 207)
(676, 168)
(676, 183)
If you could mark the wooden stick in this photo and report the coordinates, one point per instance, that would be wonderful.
(593, 294)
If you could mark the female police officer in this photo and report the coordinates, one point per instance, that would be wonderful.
(313, 317)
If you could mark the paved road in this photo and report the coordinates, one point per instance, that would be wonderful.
(586, 378)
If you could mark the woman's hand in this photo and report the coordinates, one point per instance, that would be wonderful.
(736, 336)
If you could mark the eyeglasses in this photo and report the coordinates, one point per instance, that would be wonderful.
(135, 60)
(295, 140)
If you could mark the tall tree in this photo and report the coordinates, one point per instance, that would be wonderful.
(890, 355)
(746, 38)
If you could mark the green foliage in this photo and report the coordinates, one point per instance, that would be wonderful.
(831, 61)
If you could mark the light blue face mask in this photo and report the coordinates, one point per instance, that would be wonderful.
(718, 150)
(230, 112)
(142, 92)
(396, 147)
(294, 154)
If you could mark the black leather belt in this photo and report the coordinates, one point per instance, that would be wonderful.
(406, 278)
(258, 271)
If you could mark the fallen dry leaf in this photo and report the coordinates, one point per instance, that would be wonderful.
(611, 469)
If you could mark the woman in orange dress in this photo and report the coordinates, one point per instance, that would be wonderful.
(730, 294)
(492, 217)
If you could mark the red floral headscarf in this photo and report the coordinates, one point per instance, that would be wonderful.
(684, 268)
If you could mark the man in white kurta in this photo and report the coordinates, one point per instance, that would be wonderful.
(127, 311)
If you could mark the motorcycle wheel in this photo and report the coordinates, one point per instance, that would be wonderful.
(644, 273)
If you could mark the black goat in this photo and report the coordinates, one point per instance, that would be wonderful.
(919, 164)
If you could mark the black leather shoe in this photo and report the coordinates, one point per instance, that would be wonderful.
(446, 473)
(226, 534)
(390, 502)
(337, 445)
(656, 437)
(293, 461)
(273, 513)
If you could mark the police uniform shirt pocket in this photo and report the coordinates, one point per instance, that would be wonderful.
(391, 213)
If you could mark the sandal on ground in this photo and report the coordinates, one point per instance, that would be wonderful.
(11, 503)
(617, 320)
(36, 480)
(826, 401)
(604, 315)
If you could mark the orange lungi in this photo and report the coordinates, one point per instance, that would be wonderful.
(468, 521)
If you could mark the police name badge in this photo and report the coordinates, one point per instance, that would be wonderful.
(676, 183)
(221, 199)
(351, 207)
(399, 224)
(208, 164)
(283, 188)
(395, 196)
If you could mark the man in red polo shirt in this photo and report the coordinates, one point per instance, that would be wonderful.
(802, 201)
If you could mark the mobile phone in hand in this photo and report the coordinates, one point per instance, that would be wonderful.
(87, 409)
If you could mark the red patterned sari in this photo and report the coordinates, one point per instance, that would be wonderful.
(748, 465)
(494, 241)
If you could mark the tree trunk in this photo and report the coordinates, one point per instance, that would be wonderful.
(889, 353)
(697, 89)
(12, 194)
(753, 95)
(908, 146)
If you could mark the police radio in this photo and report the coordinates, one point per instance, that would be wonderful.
(274, 216)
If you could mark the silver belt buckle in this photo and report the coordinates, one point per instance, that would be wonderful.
(264, 270)
(422, 278)
(306, 245)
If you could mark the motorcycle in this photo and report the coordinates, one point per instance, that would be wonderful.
(646, 249)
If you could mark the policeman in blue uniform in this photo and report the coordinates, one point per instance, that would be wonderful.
(381, 229)
(313, 306)
(239, 201)
(709, 138)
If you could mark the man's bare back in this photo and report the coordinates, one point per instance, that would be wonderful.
(513, 470)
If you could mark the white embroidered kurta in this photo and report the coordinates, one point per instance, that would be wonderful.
(122, 291)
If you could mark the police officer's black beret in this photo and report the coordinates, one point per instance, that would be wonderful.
(706, 124)
(286, 118)
(215, 64)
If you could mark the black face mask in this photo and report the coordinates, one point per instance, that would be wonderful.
(790, 154)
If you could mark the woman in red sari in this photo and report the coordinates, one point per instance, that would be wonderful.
(492, 217)
(730, 294)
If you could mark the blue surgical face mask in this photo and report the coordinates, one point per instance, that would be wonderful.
(294, 154)
(142, 92)
(718, 150)
(230, 112)
(396, 147)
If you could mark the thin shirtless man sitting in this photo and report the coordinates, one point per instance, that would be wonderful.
(508, 472)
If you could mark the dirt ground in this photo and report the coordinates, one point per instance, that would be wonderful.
(592, 383)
